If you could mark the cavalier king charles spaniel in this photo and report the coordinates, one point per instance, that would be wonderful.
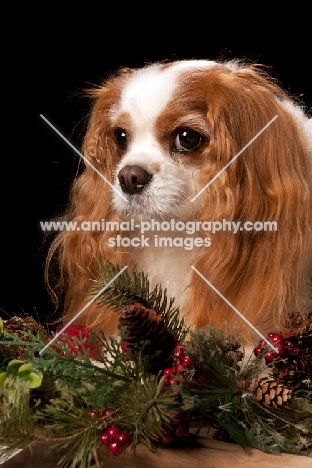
(195, 157)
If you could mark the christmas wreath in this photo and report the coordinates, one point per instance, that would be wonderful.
(152, 383)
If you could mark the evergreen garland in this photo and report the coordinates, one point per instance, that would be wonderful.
(81, 391)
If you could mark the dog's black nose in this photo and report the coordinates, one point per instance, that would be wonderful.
(133, 179)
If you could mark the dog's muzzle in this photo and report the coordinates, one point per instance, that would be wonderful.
(133, 179)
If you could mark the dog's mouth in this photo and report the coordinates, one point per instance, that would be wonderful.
(134, 179)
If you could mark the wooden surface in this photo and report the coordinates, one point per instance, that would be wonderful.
(204, 453)
(208, 453)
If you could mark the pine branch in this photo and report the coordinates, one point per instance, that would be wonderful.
(207, 348)
(287, 429)
(126, 290)
(224, 399)
(146, 411)
(16, 415)
(68, 425)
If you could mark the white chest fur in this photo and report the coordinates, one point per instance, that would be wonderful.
(170, 266)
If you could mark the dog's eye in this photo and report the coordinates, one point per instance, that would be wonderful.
(186, 140)
(121, 138)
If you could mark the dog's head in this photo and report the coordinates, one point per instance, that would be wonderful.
(161, 133)
(158, 136)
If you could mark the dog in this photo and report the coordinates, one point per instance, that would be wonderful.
(196, 156)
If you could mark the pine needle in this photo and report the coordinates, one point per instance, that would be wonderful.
(127, 289)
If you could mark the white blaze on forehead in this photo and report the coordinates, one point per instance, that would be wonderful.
(149, 90)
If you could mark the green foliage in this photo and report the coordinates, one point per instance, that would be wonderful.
(16, 415)
(286, 429)
(21, 370)
(67, 424)
(146, 410)
(142, 406)
(217, 388)
(225, 400)
(207, 346)
(127, 289)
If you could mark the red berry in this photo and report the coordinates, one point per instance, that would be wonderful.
(123, 347)
(104, 438)
(261, 345)
(168, 372)
(288, 335)
(281, 350)
(180, 369)
(112, 432)
(107, 412)
(187, 361)
(123, 439)
(80, 332)
(271, 335)
(167, 381)
(179, 351)
(182, 431)
(277, 338)
(94, 414)
(173, 382)
(269, 357)
(114, 448)
(178, 417)
(168, 439)
(290, 347)
(288, 343)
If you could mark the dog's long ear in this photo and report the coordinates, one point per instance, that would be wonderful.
(76, 251)
(259, 272)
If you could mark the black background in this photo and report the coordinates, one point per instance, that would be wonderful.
(49, 57)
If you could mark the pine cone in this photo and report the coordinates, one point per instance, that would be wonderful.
(18, 325)
(231, 350)
(294, 371)
(300, 324)
(272, 392)
(234, 357)
(145, 324)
